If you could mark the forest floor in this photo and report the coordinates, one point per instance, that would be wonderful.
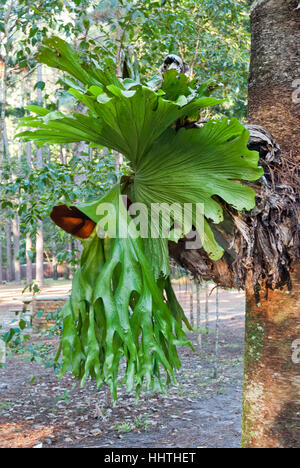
(37, 410)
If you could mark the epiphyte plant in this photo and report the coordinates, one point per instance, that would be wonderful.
(123, 323)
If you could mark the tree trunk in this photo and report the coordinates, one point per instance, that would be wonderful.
(119, 34)
(39, 246)
(79, 248)
(16, 237)
(28, 241)
(68, 266)
(3, 87)
(9, 269)
(3, 101)
(271, 417)
(275, 71)
(82, 153)
(28, 247)
(271, 402)
(54, 261)
(39, 233)
(1, 257)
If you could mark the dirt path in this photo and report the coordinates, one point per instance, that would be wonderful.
(201, 411)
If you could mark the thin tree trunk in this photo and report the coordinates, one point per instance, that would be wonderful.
(1, 258)
(79, 248)
(192, 304)
(15, 224)
(119, 40)
(199, 333)
(206, 312)
(217, 337)
(9, 269)
(63, 155)
(271, 402)
(22, 99)
(28, 247)
(39, 232)
(39, 247)
(82, 153)
(68, 270)
(119, 34)
(118, 164)
(3, 102)
(39, 153)
(3, 88)
(28, 153)
(16, 237)
(54, 261)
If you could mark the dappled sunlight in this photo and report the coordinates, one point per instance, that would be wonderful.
(11, 295)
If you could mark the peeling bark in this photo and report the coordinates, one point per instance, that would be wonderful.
(266, 240)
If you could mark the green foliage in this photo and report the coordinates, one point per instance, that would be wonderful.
(213, 37)
(16, 337)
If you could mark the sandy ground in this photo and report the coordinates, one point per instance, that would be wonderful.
(36, 409)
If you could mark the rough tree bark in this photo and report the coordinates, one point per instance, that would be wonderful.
(1, 258)
(271, 404)
(28, 247)
(39, 233)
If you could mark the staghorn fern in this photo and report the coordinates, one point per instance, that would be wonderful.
(122, 304)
